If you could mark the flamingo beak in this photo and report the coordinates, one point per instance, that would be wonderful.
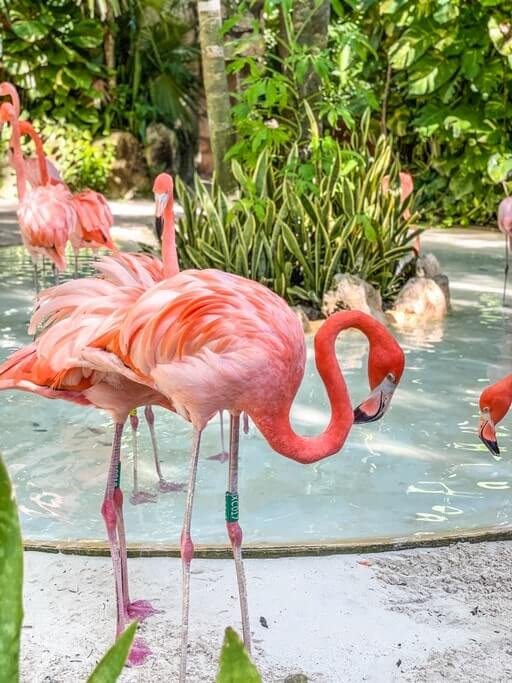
(487, 432)
(377, 403)
(161, 202)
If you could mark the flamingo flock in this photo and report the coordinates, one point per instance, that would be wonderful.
(198, 343)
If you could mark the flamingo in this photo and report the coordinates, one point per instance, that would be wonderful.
(505, 225)
(495, 402)
(46, 214)
(211, 341)
(406, 189)
(94, 218)
(42, 368)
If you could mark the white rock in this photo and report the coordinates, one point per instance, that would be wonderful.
(420, 300)
(353, 294)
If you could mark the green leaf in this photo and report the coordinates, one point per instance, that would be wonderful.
(235, 665)
(501, 35)
(499, 166)
(430, 73)
(111, 665)
(11, 580)
(31, 31)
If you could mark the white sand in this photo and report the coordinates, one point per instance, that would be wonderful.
(419, 615)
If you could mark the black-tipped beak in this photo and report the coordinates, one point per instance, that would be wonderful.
(370, 410)
(159, 226)
(376, 404)
(487, 435)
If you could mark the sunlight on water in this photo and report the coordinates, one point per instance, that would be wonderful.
(420, 471)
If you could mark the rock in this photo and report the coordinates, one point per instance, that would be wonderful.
(427, 265)
(162, 149)
(420, 300)
(129, 173)
(444, 283)
(302, 316)
(351, 293)
(296, 678)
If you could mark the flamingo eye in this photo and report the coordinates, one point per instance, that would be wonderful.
(390, 376)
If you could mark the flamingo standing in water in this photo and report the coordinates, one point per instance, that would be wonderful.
(93, 216)
(46, 214)
(505, 225)
(211, 341)
(495, 402)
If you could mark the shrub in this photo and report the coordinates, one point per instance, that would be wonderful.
(294, 237)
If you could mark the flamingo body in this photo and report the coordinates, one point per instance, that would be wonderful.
(94, 221)
(47, 218)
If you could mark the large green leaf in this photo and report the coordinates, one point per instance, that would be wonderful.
(111, 665)
(430, 73)
(31, 31)
(11, 581)
(235, 665)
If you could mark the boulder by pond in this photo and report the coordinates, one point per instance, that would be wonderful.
(420, 300)
(351, 293)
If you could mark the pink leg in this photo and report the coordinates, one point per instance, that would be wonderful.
(165, 486)
(234, 529)
(139, 609)
(223, 455)
(245, 418)
(187, 552)
(139, 651)
(138, 496)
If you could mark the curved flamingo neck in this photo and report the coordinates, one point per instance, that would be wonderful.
(17, 158)
(276, 427)
(169, 255)
(26, 128)
(10, 91)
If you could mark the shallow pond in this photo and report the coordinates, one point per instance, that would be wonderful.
(419, 471)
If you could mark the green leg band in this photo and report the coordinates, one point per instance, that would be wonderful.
(117, 481)
(231, 507)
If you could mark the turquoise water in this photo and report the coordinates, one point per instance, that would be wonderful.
(419, 471)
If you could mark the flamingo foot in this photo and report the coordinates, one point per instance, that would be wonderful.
(141, 610)
(170, 486)
(139, 497)
(220, 457)
(138, 653)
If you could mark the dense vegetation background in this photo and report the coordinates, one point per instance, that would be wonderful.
(435, 74)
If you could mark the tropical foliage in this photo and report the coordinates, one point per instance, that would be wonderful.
(294, 240)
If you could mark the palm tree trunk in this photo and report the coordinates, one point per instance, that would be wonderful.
(216, 89)
(109, 48)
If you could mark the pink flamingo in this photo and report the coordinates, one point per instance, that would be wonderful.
(495, 402)
(406, 189)
(211, 341)
(505, 225)
(46, 214)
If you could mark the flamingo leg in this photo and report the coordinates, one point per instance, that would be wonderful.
(55, 274)
(233, 527)
(164, 485)
(506, 270)
(138, 496)
(36, 278)
(43, 272)
(187, 552)
(245, 418)
(76, 265)
(223, 455)
(139, 651)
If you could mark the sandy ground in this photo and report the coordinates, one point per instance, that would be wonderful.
(419, 615)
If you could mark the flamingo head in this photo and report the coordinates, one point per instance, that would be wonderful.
(8, 90)
(7, 115)
(163, 191)
(494, 405)
(386, 363)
